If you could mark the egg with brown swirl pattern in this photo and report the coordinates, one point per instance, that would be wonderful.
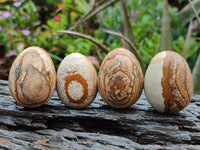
(168, 83)
(32, 77)
(120, 79)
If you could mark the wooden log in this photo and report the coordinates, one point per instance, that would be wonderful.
(5, 64)
(53, 126)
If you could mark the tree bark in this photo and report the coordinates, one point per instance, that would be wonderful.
(53, 126)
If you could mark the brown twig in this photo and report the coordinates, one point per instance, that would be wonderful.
(187, 41)
(97, 8)
(103, 47)
(195, 12)
(127, 24)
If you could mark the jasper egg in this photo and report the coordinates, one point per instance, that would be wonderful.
(120, 79)
(168, 82)
(32, 77)
(76, 81)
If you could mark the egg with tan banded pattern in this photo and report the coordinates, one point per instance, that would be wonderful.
(76, 81)
(168, 82)
(32, 77)
(120, 79)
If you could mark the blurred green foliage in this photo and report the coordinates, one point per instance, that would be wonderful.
(44, 18)
(146, 24)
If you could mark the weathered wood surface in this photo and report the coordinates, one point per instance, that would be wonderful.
(53, 126)
(5, 64)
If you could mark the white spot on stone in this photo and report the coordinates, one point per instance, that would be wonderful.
(152, 82)
(75, 90)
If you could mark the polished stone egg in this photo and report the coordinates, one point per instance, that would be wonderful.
(168, 83)
(120, 79)
(32, 77)
(76, 81)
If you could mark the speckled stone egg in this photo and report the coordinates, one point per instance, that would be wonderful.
(32, 77)
(168, 82)
(120, 79)
(76, 81)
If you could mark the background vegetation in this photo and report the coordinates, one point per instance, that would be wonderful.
(143, 26)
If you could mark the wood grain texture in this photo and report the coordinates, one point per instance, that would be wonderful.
(176, 82)
(96, 127)
(140, 124)
(120, 80)
(32, 77)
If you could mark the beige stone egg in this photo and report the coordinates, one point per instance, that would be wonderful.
(168, 82)
(32, 77)
(76, 81)
(120, 79)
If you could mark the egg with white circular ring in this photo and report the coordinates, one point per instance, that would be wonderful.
(76, 81)
(168, 83)
(120, 80)
(32, 77)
